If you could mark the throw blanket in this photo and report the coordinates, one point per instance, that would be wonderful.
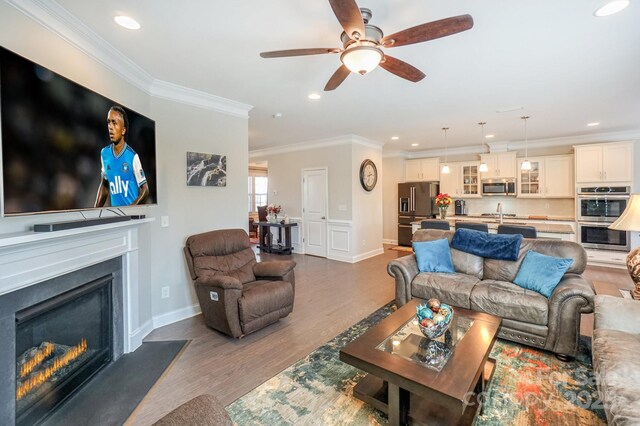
(492, 246)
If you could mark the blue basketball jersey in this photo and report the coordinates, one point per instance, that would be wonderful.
(124, 174)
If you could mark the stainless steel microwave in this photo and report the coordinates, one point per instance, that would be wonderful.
(499, 187)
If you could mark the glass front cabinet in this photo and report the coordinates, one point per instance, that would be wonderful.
(470, 180)
(530, 180)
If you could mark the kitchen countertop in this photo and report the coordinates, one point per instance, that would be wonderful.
(552, 228)
(524, 217)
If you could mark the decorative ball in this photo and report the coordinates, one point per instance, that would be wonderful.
(438, 318)
(434, 304)
(427, 322)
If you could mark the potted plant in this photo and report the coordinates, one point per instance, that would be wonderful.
(443, 201)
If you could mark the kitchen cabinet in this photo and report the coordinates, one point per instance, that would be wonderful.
(610, 162)
(463, 181)
(549, 177)
(501, 165)
(422, 169)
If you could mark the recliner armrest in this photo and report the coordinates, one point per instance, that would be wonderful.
(221, 281)
(274, 268)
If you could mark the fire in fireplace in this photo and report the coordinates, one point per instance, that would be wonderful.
(60, 344)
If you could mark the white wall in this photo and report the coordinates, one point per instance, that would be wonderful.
(179, 128)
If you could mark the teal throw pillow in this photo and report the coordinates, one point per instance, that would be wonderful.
(541, 273)
(433, 256)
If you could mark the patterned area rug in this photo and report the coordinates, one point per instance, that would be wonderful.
(529, 387)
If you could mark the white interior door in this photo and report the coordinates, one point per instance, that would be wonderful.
(314, 211)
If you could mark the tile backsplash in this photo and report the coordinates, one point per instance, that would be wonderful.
(564, 207)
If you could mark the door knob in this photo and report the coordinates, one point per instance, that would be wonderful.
(323, 218)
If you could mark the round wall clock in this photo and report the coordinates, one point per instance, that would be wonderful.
(368, 175)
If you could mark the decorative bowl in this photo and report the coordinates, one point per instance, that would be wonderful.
(439, 327)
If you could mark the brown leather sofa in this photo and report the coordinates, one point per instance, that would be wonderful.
(237, 295)
(486, 285)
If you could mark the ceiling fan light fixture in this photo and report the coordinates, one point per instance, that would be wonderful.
(361, 59)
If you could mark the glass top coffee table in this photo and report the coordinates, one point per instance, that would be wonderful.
(427, 381)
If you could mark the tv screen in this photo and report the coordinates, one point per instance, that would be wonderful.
(65, 147)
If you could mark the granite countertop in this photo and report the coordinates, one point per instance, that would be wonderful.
(552, 228)
(518, 217)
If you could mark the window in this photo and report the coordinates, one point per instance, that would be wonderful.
(258, 183)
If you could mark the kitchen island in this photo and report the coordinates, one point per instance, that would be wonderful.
(556, 228)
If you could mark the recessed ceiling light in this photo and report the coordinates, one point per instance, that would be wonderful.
(611, 8)
(277, 115)
(127, 22)
(595, 123)
(394, 138)
(415, 144)
(490, 136)
(314, 96)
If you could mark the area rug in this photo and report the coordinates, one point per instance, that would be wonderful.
(402, 248)
(529, 387)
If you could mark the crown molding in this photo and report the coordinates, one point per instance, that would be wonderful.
(440, 152)
(55, 18)
(395, 153)
(316, 144)
(165, 90)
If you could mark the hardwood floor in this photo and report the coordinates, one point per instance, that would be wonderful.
(330, 296)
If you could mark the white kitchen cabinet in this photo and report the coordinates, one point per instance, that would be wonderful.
(422, 169)
(549, 177)
(463, 180)
(501, 165)
(610, 162)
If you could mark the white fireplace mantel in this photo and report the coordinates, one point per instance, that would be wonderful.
(29, 258)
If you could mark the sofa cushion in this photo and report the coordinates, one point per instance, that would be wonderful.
(507, 300)
(493, 246)
(465, 263)
(433, 256)
(452, 289)
(617, 369)
(541, 273)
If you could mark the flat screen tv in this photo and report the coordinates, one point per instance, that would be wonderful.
(65, 147)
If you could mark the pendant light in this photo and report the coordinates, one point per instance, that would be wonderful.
(526, 164)
(445, 168)
(483, 166)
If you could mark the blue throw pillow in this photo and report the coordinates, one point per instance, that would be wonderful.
(483, 244)
(433, 256)
(541, 273)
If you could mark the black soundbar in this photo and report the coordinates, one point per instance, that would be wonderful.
(61, 226)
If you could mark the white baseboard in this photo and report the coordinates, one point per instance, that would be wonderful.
(136, 336)
(354, 259)
(392, 242)
(175, 316)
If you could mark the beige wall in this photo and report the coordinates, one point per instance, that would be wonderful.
(367, 211)
(178, 128)
(285, 179)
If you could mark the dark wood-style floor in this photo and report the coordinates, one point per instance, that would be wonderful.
(330, 296)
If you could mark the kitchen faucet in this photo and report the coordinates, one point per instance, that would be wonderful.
(499, 210)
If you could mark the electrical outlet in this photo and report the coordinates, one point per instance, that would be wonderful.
(546, 206)
(364, 243)
(164, 221)
(213, 296)
(165, 292)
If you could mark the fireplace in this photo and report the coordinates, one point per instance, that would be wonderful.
(57, 334)
(60, 344)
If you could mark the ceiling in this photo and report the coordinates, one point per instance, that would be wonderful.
(553, 58)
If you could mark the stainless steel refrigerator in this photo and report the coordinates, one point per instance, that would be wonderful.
(416, 201)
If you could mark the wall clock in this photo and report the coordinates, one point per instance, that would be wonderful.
(368, 175)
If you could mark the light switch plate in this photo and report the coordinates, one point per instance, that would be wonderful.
(164, 221)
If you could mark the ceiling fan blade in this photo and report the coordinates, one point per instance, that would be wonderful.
(402, 69)
(349, 16)
(298, 52)
(429, 31)
(337, 78)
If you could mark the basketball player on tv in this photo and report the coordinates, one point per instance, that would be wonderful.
(122, 175)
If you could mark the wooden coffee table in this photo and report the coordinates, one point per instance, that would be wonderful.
(414, 379)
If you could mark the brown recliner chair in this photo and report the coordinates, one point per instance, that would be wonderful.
(237, 295)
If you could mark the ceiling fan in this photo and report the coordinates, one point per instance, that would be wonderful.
(362, 43)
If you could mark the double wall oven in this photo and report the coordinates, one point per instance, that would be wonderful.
(599, 207)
